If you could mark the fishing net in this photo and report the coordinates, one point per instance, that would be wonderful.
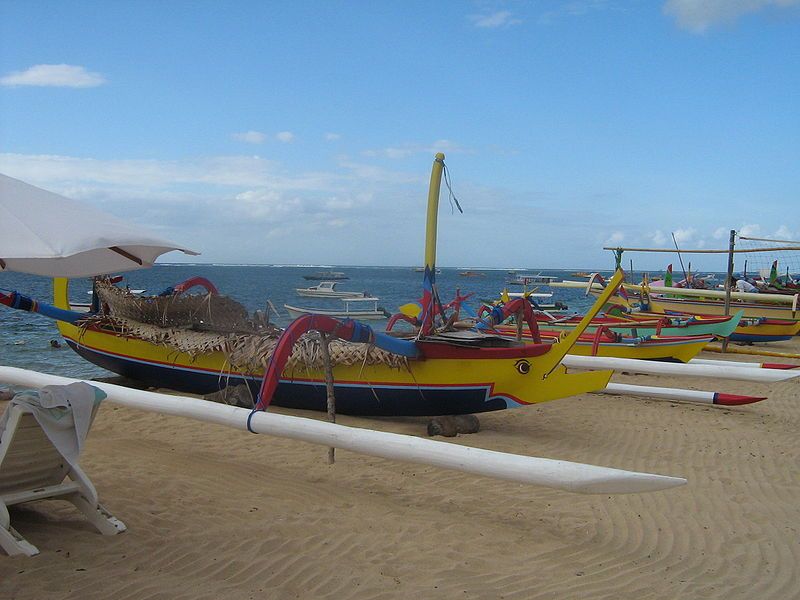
(762, 254)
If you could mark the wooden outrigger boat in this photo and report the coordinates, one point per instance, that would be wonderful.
(704, 304)
(775, 319)
(647, 324)
(657, 339)
(607, 343)
(432, 374)
(750, 329)
(564, 475)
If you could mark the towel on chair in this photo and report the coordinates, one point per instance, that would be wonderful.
(64, 412)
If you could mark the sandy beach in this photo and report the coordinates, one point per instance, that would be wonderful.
(217, 513)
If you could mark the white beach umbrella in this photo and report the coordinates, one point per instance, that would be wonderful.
(47, 234)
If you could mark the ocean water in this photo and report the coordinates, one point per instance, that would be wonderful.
(25, 338)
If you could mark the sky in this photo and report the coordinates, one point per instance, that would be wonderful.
(304, 132)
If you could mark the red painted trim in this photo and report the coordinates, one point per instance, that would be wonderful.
(735, 400)
(779, 366)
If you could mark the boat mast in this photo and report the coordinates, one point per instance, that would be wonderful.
(429, 293)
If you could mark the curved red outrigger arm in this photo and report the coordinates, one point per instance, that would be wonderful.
(454, 304)
(347, 330)
(194, 282)
(498, 314)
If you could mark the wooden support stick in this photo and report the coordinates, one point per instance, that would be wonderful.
(275, 310)
(326, 361)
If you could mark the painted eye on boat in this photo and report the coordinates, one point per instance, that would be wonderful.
(523, 366)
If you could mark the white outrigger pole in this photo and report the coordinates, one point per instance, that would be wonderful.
(558, 474)
(719, 399)
(652, 367)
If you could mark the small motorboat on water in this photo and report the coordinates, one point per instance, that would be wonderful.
(527, 279)
(354, 308)
(327, 289)
(326, 276)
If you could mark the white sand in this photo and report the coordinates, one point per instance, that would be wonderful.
(217, 513)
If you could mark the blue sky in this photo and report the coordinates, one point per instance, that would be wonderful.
(303, 132)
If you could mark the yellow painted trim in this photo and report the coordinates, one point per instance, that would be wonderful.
(433, 211)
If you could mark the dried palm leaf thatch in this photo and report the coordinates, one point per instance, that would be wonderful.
(202, 312)
(248, 352)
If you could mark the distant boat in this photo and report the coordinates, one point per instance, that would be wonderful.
(422, 270)
(472, 274)
(369, 311)
(537, 279)
(326, 276)
(327, 289)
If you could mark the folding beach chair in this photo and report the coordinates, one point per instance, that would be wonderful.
(33, 468)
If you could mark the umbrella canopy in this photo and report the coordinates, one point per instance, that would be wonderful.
(47, 234)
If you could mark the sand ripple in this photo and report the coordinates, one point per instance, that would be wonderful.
(214, 513)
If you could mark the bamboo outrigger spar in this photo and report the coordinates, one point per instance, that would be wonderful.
(702, 251)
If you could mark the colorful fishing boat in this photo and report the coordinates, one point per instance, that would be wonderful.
(714, 306)
(428, 374)
(757, 324)
(749, 329)
(607, 343)
(647, 324)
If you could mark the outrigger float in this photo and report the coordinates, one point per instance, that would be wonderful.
(558, 474)
(675, 394)
(718, 369)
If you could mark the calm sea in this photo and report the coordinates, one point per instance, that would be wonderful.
(25, 338)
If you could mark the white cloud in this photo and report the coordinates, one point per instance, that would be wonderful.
(783, 233)
(332, 137)
(750, 230)
(250, 137)
(502, 18)
(73, 76)
(576, 8)
(721, 233)
(658, 237)
(698, 15)
(266, 205)
(683, 236)
(285, 136)
(229, 189)
(615, 238)
(406, 150)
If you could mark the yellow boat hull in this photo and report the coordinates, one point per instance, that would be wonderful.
(429, 386)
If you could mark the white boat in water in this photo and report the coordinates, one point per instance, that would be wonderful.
(327, 289)
(354, 308)
(528, 279)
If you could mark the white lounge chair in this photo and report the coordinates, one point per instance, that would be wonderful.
(32, 468)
